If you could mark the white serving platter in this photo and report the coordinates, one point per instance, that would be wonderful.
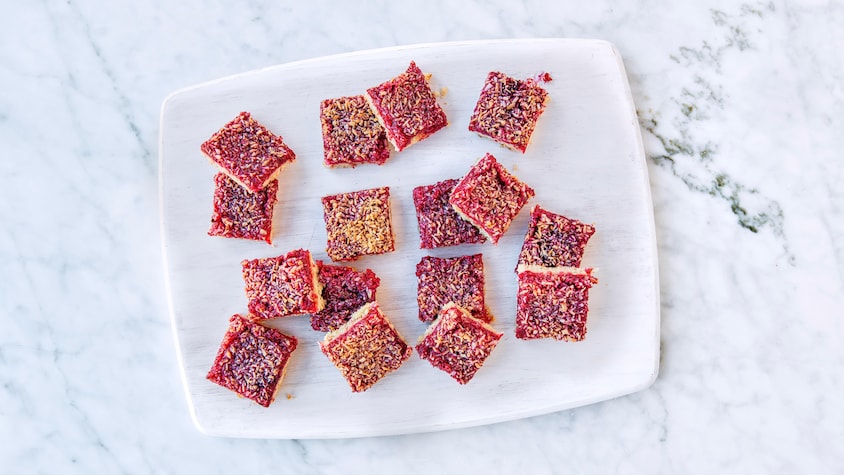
(585, 161)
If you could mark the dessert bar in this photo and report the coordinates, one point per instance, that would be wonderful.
(553, 240)
(351, 134)
(553, 302)
(344, 290)
(252, 359)
(452, 279)
(508, 109)
(240, 213)
(282, 286)
(358, 223)
(407, 108)
(490, 197)
(366, 348)
(248, 152)
(439, 224)
(457, 343)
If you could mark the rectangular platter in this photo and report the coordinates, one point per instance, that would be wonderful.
(585, 161)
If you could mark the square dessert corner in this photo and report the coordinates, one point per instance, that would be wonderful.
(489, 197)
(439, 224)
(508, 109)
(407, 108)
(358, 223)
(248, 152)
(457, 343)
(344, 290)
(451, 279)
(351, 134)
(282, 286)
(240, 213)
(252, 360)
(553, 240)
(553, 302)
(366, 348)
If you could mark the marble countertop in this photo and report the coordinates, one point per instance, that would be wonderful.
(742, 113)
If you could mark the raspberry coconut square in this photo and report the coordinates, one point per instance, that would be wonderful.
(344, 290)
(553, 302)
(366, 348)
(553, 240)
(457, 343)
(358, 223)
(439, 224)
(248, 152)
(489, 197)
(508, 109)
(407, 108)
(351, 134)
(282, 286)
(240, 213)
(252, 359)
(451, 279)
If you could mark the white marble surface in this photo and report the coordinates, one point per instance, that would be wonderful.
(743, 110)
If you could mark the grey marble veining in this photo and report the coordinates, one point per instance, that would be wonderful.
(742, 110)
(689, 145)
